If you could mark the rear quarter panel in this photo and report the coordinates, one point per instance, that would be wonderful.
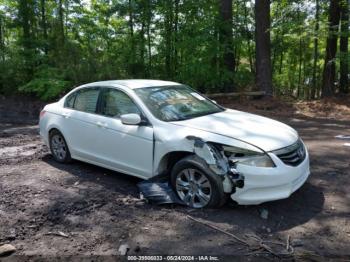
(51, 119)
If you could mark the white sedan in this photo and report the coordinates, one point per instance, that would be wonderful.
(146, 128)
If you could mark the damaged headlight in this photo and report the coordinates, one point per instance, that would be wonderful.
(247, 157)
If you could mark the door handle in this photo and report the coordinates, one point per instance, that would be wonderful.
(66, 115)
(100, 124)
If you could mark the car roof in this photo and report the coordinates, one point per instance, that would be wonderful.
(133, 83)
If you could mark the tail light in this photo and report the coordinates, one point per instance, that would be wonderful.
(42, 113)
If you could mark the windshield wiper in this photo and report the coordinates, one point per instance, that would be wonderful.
(196, 115)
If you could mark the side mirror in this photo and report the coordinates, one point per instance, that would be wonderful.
(131, 119)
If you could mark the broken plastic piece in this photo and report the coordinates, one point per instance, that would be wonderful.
(216, 161)
(123, 249)
(158, 193)
(237, 178)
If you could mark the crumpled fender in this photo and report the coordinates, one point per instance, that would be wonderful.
(218, 163)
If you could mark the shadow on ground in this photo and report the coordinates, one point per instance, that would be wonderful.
(302, 206)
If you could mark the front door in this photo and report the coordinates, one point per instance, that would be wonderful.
(127, 148)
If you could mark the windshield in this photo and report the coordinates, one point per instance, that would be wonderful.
(174, 103)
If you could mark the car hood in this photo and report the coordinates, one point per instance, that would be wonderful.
(265, 133)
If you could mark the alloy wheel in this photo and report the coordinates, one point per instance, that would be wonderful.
(193, 188)
(59, 148)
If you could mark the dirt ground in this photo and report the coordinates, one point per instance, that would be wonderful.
(53, 210)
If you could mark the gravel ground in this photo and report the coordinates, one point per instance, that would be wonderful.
(53, 210)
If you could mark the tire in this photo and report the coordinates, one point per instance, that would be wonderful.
(214, 195)
(59, 148)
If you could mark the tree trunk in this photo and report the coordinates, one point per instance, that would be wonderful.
(176, 25)
(216, 56)
(263, 46)
(149, 22)
(44, 25)
(226, 42)
(331, 50)
(61, 21)
(248, 36)
(66, 13)
(237, 56)
(25, 23)
(300, 65)
(344, 43)
(24, 8)
(132, 40)
(314, 68)
(131, 19)
(168, 38)
(281, 62)
(142, 49)
(300, 57)
(278, 42)
(2, 39)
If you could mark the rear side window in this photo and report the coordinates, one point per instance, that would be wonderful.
(86, 100)
(70, 100)
(115, 103)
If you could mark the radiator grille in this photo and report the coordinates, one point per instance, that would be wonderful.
(292, 155)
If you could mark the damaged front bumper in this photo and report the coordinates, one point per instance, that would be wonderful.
(253, 185)
(268, 184)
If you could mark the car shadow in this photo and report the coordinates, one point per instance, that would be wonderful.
(284, 214)
(88, 172)
(302, 206)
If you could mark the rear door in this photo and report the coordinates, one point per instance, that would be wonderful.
(128, 148)
(79, 126)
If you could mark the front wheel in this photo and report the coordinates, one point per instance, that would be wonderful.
(196, 185)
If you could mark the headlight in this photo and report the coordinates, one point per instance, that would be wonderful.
(248, 157)
(258, 161)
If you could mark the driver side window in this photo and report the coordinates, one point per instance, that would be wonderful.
(115, 103)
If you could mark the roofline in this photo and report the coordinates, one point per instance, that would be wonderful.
(123, 83)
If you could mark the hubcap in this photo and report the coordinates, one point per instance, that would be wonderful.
(193, 188)
(58, 147)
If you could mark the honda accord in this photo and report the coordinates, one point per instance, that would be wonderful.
(147, 128)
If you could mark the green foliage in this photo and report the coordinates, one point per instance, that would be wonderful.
(47, 83)
(47, 48)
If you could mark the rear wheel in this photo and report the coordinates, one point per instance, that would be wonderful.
(59, 148)
(196, 185)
